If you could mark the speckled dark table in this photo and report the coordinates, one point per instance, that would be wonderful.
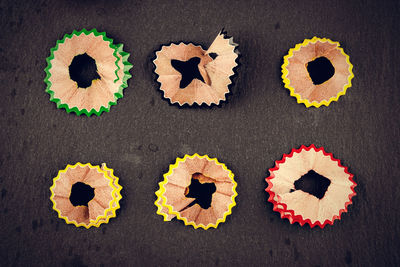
(143, 134)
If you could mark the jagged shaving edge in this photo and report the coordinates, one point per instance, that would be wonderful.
(286, 80)
(161, 191)
(234, 69)
(299, 218)
(158, 193)
(101, 218)
(117, 195)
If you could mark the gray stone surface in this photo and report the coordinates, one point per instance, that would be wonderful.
(143, 134)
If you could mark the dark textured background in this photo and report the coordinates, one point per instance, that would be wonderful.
(143, 134)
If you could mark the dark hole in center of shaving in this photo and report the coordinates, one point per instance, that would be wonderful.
(83, 70)
(189, 70)
(313, 183)
(320, 70)
(213, 55)
(202, 192)
(81, 194)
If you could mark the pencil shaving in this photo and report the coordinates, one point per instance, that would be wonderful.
(176, 196)
(302, 206)
(111, 69)
(85, 195)
(208, 78)
(317, 72)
